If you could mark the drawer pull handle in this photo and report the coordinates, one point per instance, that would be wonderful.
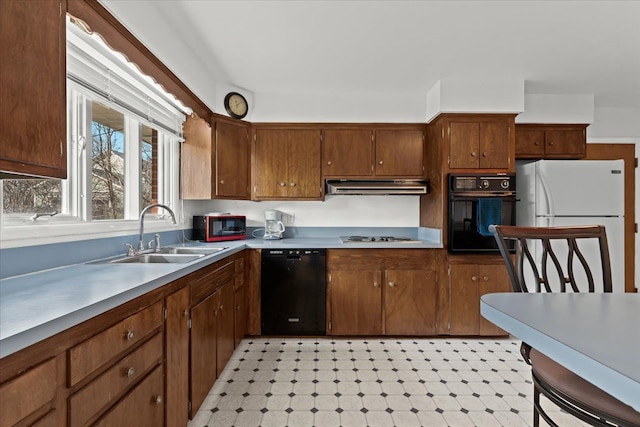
(473, 154)
(130, 335)
(485, 278)
(375, 284)
(158, 400)
(392, 284)
(131, 372)
(293, 184)
(282, 184)
(329, 163)
(381, 162)
(474, 278)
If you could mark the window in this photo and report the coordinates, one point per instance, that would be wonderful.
(123, 145)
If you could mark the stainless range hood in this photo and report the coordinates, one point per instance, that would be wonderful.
(371, 187)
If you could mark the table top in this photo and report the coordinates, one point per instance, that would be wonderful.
(595, 335)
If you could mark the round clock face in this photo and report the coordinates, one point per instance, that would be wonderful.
(236, 105)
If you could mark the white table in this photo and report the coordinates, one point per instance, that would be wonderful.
(597, 336)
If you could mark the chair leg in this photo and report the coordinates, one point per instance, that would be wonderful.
(536, 404)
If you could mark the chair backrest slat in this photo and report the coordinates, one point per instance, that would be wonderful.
(553, 270)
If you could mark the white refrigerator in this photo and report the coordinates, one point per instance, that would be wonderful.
(576, 192)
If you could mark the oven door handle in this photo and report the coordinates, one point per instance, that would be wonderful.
(476, 196)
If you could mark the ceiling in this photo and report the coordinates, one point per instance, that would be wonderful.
(556, 47)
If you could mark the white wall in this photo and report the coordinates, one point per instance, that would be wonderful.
(335, 211)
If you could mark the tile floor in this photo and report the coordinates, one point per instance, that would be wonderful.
(373, 382)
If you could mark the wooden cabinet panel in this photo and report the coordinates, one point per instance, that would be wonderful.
(143, 406)
(399, 153)
(347, 152)
(196, 162)
(203, 349)
(356, 302)
(177, 358)
(492, 278)
(465, 304)
(410, 302)
(28, 393)
(107, 388)
(464, 144)
(33, 88)
(304, 155)
(232, 160)
(206, 280)
(271, 164)
(49, 420)
(224, 324)
(240, 315)
(95, 352)
(550, 141)
(494, 146)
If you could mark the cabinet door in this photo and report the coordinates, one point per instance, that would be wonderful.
(464, 143)
(347, 152)
(271, 165)
(232, 160)
(492, 278)
(224, 322)
(494, 145)
(196, 165)
(33, 88)
(399, 153)
(565, 143)
(304, 179)
(410, 302)
(240, 315)
(356, 302)
(465, 306)
(529, 143)
(203, 350)
(143, 406)
(177, 357)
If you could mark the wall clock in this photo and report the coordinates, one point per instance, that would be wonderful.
(236, 105)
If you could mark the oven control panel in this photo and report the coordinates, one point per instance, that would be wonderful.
(481, 182)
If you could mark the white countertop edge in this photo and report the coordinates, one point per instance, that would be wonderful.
(624, 388)
(16, 341)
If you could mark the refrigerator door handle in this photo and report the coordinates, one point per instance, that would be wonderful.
(545, 190)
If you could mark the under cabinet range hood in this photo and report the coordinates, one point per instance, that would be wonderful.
(371, 187)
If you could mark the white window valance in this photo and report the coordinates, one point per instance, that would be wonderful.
(97, 68)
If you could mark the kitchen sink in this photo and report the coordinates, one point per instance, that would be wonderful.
(158, 258)
(189, 250)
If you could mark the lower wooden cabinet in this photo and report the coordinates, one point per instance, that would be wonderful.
(203, 349)
(177, 358)
(224, 325)
(469, 280)
(382, 292)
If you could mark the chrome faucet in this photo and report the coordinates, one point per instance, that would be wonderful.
(142, 214)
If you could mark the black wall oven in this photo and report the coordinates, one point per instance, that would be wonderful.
(475, 202)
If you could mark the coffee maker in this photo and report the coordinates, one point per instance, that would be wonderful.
(273, 225)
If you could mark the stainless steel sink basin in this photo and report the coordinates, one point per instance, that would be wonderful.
(190, 250)
(158, 258)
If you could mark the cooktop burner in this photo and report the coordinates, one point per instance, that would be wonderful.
(376, 239)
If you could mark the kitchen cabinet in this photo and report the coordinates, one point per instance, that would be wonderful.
(33, 88)
(382, 291)
(196, 162)
(551, 141)
(231, 160)
(469, 279)
(239, 303)
(224, 324)
(177, 357)
(286, 164)
(388, 152)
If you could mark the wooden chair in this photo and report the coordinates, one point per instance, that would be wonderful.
(562, 267)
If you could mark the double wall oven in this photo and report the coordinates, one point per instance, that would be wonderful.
(475, 202)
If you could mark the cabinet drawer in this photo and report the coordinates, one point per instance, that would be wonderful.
(99, 393)
(25, 394)
(142, 407)
(95, 352)
(207, 284)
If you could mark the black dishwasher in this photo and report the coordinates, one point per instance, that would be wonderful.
(294, 291)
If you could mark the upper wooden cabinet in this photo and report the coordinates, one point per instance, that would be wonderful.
(470, 142)
(231, 159)
(551, 141)
(373, 152)
(196, 162)
(286, 164)
(33, 88)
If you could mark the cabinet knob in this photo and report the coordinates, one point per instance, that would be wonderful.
(158, 400)
(293, 184)
(392, 284)
(376, 284)
(474, 278)
(131, 372)
(551, 143)
(536, 143)
(185, 313)
(329, 162)
(380, 162)
(282, 184)
(222, 181)
(129, 336)
(485, 154)
(485, 278)
(473, 154)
